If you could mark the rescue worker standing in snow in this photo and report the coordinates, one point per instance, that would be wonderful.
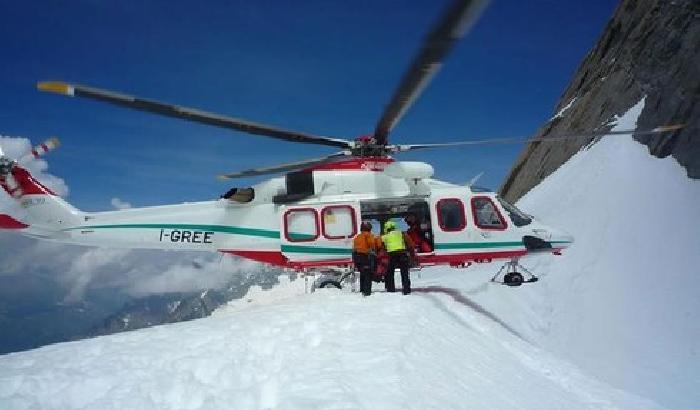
(397, 245)
(364, 254)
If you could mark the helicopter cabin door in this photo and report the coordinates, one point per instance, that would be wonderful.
(450, 223)
(317, 234)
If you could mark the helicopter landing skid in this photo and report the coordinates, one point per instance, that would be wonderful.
(513, 275)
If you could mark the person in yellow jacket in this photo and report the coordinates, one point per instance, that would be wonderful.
(397, 244)
(365, 247)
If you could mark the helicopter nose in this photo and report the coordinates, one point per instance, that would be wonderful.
(545, 239)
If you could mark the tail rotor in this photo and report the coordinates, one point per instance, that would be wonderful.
(9, 167)
(40, 150)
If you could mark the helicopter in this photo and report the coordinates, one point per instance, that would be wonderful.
(306, 218)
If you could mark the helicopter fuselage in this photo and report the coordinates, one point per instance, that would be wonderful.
(308, 219)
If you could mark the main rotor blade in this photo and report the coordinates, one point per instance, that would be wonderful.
(519, 140)
(291, 166)
(189, 114)
(452, 26)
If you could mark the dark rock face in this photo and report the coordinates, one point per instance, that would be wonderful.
(649, 48)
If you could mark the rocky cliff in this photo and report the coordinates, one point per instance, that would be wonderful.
(650, 48)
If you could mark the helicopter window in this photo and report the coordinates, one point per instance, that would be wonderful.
(486, 215)
(518, 217)
(301, 225)
(240, 195)
(451, 216)
(338, 222)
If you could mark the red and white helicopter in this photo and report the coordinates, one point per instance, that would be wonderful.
(306, 219)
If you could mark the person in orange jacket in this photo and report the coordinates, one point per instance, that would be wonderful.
(365, 247)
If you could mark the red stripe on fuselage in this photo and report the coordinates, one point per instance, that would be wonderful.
(458, 258)
(8, 222)
(320, 263)
(356, 164)
(278, 259)
(272, 257)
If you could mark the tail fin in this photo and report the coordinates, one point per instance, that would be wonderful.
(44, 210)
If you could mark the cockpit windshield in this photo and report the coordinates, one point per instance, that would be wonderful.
(518, 217)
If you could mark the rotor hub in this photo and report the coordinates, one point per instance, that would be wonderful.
(367, 146)
(6, 166)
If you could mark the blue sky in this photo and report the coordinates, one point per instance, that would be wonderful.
(326, 67)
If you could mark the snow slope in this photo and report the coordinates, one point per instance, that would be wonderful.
(326, 350)
(623, 302)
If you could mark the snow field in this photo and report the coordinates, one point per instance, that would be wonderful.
(327, 350)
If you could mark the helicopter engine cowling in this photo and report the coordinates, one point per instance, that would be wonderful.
(409, 170)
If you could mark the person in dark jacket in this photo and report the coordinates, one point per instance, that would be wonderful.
(397, 245)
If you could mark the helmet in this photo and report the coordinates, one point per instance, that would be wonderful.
(366, 226)
(389, 226)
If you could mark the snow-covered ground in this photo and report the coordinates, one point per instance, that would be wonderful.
(326, 350)
(623, 303)
(612, 324)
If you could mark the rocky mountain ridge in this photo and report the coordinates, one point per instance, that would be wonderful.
(650, 49)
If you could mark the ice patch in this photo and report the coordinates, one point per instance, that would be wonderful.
(561, 112)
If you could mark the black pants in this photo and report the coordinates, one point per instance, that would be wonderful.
(398, 259)
(364, 264)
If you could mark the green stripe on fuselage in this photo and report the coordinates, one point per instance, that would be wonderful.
(315, 249)
(440, 246)
(234, 230)
(477, 245)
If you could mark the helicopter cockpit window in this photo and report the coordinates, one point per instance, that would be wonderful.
(518, 217)
(486, 215)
